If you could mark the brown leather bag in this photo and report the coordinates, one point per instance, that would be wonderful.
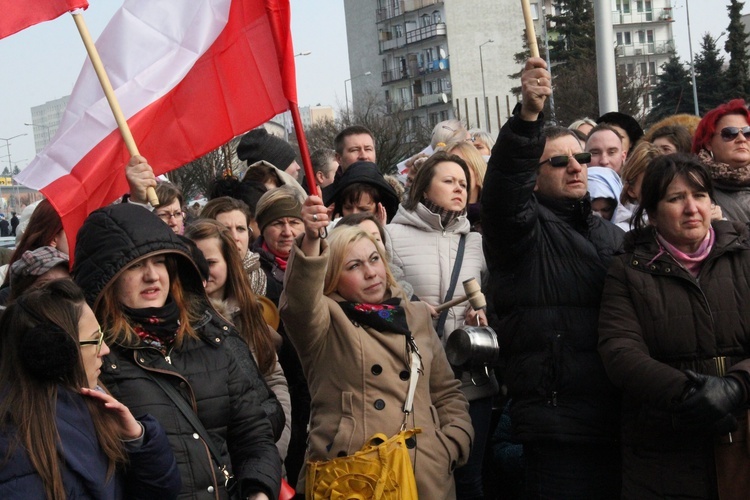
(732, 455)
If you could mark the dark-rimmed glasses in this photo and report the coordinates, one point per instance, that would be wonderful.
(730, 133)
(96, 342)
(563, 160)
(165, 216)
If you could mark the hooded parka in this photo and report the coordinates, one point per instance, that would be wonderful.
(203, 369)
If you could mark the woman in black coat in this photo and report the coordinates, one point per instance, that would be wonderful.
(149, 297)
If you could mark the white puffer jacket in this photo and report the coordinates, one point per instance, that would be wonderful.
(426, 252)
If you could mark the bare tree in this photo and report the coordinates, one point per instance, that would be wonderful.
(196, 177)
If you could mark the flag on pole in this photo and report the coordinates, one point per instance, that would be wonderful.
(17, 16)
(189, 77)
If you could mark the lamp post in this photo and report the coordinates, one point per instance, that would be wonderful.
(692, 64)
(46, 127)
(484, 92)
(346, 92)
(7, 146)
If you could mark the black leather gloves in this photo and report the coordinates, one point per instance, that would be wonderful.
(709, 402)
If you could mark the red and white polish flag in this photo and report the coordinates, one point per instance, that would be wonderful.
(16, 16)
(189, 76)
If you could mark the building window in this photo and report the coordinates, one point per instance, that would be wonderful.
(534, 11)
(619, 38)
(652, 68)
(643, 70)
(639, 5)
(444, 116)
(631, 69)
(641, 36)
(650, 36)
(433, 119)
(623, 6)
(426, 20)
(647, 101)
(626, 38)
(436, 19)
(398, 31)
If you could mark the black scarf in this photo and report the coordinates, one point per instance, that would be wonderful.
(156, 326)
(388, 316)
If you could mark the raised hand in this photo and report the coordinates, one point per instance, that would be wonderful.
(536, 86)
(140, 177)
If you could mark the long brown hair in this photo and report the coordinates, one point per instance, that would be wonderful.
(252, 325)
(44, 225)
(115, 323)
(29, 399)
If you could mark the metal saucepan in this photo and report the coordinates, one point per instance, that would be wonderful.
(472, 346)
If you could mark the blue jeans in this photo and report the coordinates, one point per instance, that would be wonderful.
(469, 477)
(572, 471)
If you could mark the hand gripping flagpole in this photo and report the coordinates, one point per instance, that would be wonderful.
(109, 93)
(530, 32)
(305, 153)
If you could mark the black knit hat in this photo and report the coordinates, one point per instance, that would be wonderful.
(259, 145)
(626, 122)
(363, 172)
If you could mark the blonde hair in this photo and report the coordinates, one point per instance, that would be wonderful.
(448, 131)
(473, 159)
(339, 242)
(635, 165)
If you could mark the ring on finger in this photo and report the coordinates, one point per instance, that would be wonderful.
(539, 81)
(315, 217)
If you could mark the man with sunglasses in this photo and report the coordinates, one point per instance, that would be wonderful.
(548, 257)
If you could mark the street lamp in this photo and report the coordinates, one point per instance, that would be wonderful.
(7, 146)
(46, 127)
(346, 92)
(484, 92)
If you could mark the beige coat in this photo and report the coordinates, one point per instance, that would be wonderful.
(358, 380)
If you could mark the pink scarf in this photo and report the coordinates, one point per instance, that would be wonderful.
(692, 262)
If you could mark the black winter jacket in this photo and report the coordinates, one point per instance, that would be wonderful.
(204, 369)
(547, 261)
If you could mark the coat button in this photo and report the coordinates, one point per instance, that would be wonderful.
(113, 366)
(376, 369)
(653, 267)
(404, 375)
(183, 384)
(668, 270)
(195, 435)
(379, 404)
(635, 262)
(411, 442)
(141, 360)
(217, 339)
(225, 328)
(210, 489)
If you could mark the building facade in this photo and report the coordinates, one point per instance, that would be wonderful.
(45, 119)
(436, 60)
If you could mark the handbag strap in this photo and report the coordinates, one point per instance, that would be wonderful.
(454, 279)
(191, 417)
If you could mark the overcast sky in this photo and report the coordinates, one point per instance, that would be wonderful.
(41, 63)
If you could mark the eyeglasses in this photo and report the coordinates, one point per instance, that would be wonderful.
(165, 216)
(563, 160)
(731, 133)
(97, 342)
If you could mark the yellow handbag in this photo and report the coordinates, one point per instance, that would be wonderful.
(381, 470)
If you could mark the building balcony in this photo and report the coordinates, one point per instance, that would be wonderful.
(643, 49)
(432, 99)
(394, 75)
(657, 15)
(395, 9)
(426, 32)
(394, 106)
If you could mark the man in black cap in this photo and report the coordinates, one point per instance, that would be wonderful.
(259, 145)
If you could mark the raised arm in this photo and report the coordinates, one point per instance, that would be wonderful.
(508, 207)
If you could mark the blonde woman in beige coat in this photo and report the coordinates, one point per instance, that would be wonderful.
(357, 362)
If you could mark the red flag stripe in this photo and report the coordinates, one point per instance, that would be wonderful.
(16, 16)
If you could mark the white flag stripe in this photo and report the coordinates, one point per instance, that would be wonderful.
(143, 64)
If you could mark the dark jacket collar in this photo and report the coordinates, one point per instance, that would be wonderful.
(577, 213)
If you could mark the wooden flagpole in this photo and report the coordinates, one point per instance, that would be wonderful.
(530, 31)
(109, 93)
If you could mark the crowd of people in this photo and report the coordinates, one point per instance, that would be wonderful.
(277, 335)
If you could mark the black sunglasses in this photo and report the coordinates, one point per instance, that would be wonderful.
(731, 133)
(563, 160)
